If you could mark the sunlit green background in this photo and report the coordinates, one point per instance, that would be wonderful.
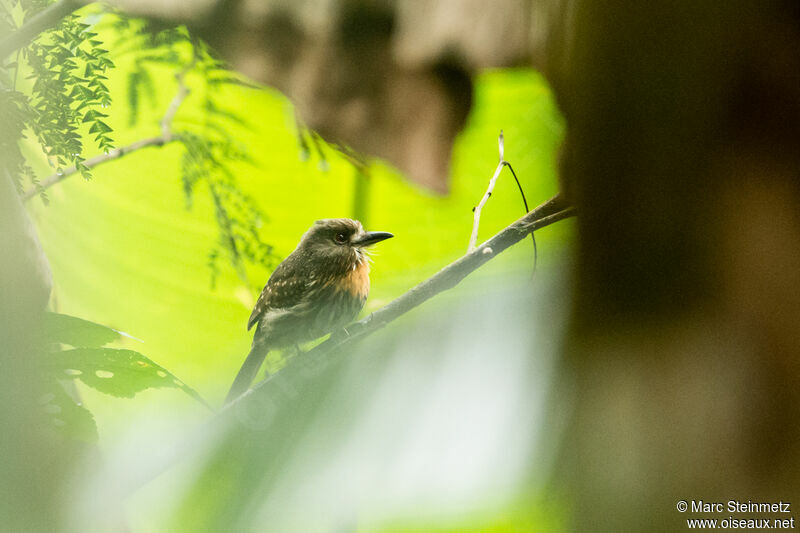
(126, 252)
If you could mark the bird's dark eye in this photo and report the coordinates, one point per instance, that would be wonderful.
(340, 238)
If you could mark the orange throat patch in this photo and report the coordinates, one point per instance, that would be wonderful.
(356, 281)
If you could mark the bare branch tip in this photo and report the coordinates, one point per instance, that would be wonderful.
(501, 146)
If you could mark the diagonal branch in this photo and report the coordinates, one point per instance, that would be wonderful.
(547, 213)
(167, 136)
(44, 20)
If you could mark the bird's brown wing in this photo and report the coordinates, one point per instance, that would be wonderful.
(283, 290)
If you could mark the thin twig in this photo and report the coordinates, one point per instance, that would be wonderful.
(549, 212)
(519, 185)
(525, 203)
(46, 19)
(476, 217)
(167, 136)
(116, 153)
(177, 100)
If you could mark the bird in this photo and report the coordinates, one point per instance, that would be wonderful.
(318, 289)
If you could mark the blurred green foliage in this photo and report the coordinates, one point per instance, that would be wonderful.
(130, 249)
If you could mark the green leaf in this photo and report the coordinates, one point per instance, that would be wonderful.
(98, 85)
(81, 91)
(93, 114)
(66, 52)
(120, 373)
(100, 127)
(84, 170)
(76, 331)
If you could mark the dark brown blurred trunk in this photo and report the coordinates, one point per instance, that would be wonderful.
(683, 159)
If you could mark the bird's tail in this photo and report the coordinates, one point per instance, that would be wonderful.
(248, 371)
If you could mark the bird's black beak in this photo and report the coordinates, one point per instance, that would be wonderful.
(371, 237)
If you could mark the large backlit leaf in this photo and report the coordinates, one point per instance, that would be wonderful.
(117, 372)
(65, 329)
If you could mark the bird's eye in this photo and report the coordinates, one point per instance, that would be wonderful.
(340, 238)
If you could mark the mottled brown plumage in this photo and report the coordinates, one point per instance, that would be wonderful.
(320, 287)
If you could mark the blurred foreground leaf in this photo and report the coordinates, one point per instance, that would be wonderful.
(430, 424)
(68, 416)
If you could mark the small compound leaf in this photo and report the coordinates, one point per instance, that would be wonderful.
(100, 127)
(93, 114)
